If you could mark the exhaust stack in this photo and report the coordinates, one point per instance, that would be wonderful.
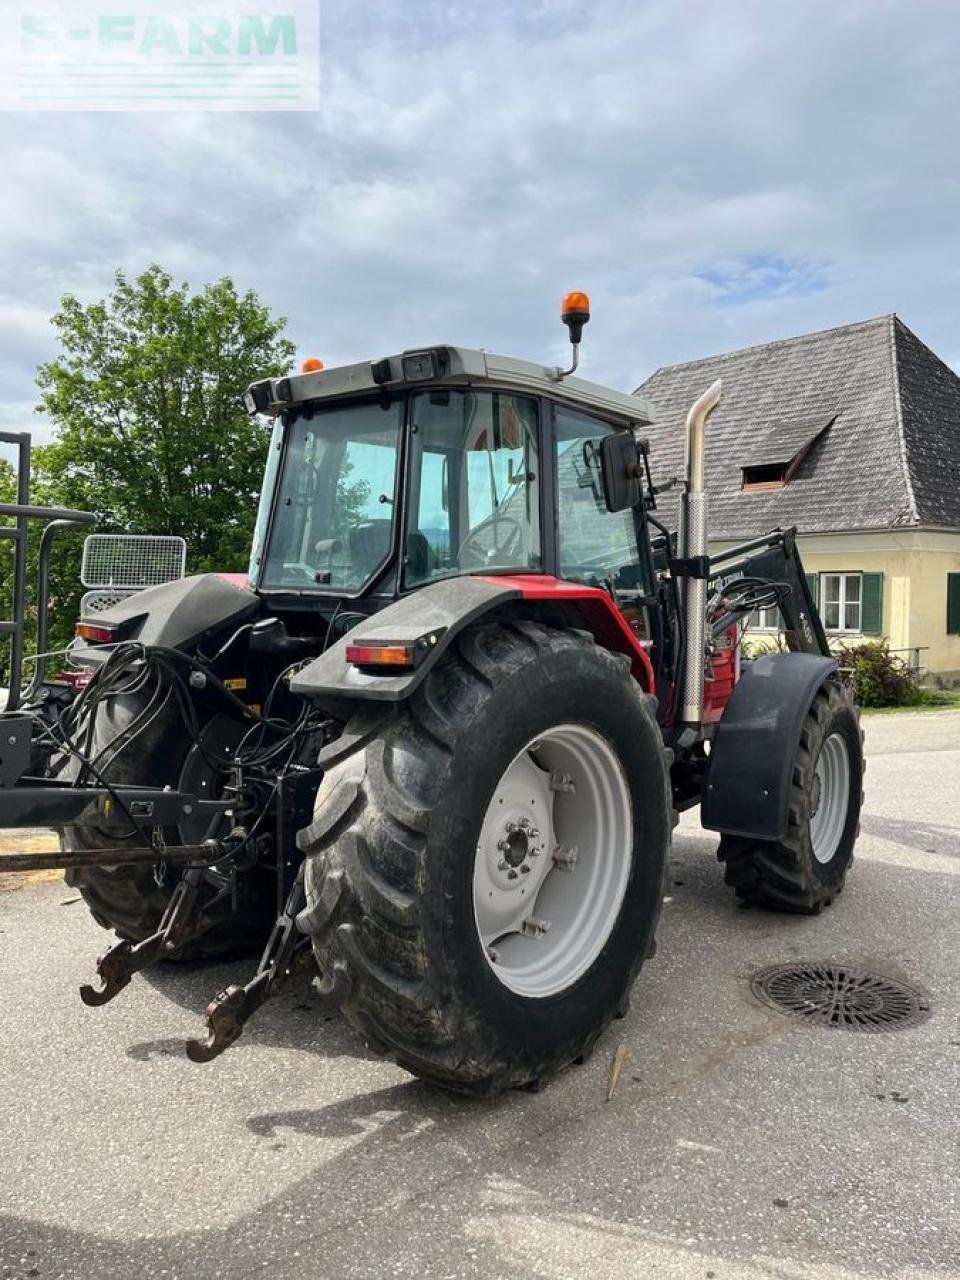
(693, 544)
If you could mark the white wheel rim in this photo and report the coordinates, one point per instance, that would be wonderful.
(831, 798)
(553, 860)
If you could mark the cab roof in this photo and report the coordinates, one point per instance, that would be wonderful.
(447, 366)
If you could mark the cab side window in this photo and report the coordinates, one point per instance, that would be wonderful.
(596, 545)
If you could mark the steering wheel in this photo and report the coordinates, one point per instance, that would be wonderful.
(512, 540)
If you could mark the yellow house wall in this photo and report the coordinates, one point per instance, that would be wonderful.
(914, 565)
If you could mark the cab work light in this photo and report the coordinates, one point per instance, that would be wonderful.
(98, 632)
(257, 397)
(420, 366)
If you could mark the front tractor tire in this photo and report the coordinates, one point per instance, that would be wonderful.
(484, 875)
(805, 871)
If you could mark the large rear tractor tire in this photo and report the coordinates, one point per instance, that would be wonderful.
(131, 900)
(806, 870)
(484, 875)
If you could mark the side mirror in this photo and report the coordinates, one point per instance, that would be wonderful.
(620, 470)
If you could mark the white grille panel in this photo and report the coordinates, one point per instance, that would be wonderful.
(99, 601)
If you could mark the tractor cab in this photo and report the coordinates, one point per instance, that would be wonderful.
(393, 475)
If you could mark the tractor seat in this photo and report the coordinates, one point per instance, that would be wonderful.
(421, 562)
(369, 544)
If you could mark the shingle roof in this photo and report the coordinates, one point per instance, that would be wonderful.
(891, 456)
(930, 407)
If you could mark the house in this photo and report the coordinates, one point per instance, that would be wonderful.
(853, 435)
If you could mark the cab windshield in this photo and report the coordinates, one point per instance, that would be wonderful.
(333, 516)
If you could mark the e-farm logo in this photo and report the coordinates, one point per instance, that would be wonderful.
(93, 55)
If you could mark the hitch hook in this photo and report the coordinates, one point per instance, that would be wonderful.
(287, 952)
(117, 966)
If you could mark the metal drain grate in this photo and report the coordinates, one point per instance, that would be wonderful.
(836, 995)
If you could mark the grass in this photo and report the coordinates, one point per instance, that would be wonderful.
(932, 700)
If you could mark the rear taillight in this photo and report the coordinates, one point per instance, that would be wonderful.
(97, 632)
(78, 679)
(391, 655)
(396, 656)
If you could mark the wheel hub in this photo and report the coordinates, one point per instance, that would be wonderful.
(513, 845)
(518, 845)
(552, 860)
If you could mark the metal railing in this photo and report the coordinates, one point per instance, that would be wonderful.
(913, 662)
(59, 518)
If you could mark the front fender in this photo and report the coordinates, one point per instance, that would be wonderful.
(747, 787)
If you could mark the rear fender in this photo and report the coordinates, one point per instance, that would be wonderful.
(747, 786)
(440, 611)
(177, 615)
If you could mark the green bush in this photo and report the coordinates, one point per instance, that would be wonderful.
(883, 679)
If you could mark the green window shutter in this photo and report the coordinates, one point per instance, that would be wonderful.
(813, 585)
(953, 604)
(871, 623)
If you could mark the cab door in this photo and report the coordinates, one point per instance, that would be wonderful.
(601, 548)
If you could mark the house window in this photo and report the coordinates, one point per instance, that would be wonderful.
(841, 596)
(953, 604)
(765, 619)
(766, 476)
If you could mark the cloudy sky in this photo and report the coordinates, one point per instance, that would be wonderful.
(714, 174)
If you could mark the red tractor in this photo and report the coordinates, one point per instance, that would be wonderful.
(436, 741)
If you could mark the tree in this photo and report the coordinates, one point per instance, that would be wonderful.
(8, 493)
(151, 432)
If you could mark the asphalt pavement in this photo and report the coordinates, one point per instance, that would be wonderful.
(739, 1143)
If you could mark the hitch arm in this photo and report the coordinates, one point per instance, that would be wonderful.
(287, 951)
(178, 925)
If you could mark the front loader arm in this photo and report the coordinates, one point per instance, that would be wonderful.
(776, 559)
